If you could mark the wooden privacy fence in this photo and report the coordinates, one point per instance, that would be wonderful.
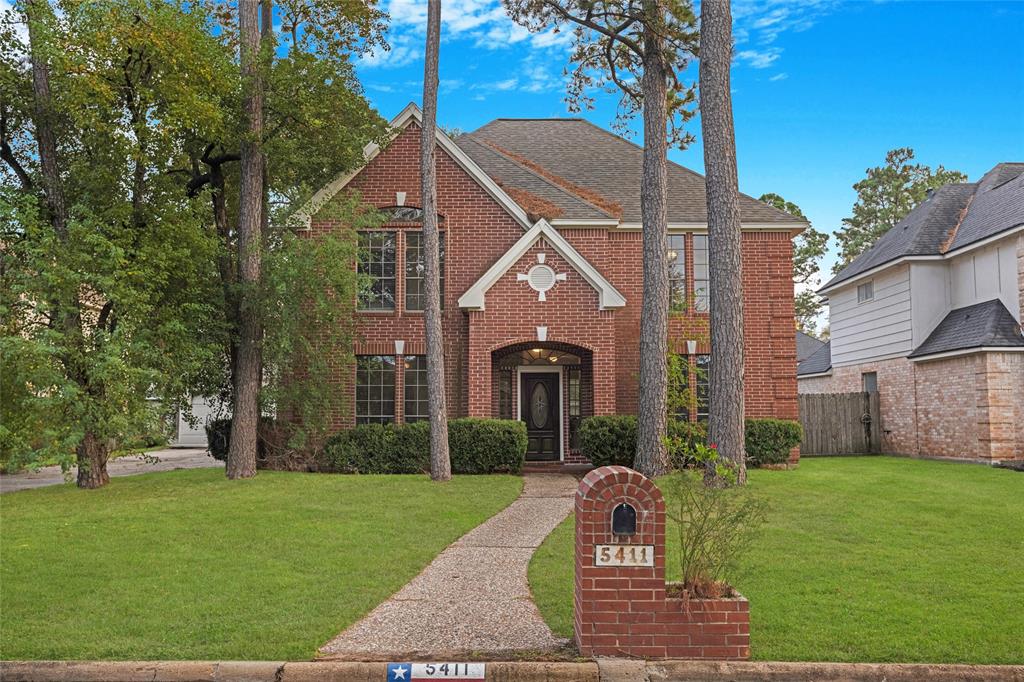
(840, 423)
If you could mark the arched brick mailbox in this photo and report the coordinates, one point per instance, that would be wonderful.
(620, 602)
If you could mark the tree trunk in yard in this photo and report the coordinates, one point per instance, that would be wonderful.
(440, 462)
(651, 456)
(93, 453)
(725, 412)
(241, 459)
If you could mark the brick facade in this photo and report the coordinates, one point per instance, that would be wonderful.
(966, 407)
(478, 231)
(625, 610)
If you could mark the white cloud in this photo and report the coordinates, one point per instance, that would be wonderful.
(779, 77)
(760, 59)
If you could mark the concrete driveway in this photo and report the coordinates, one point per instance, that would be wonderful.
(166, 460)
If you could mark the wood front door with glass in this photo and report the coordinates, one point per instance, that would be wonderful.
(540, 409)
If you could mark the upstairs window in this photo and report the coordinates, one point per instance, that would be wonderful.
(375, 389)
(677, 271)
(700, 273)
(865, 292)
(415, 271)
(377, 270)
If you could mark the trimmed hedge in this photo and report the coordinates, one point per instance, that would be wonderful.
(476, 446)
(611, 439)
(768, 441)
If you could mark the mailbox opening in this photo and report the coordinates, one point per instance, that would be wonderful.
(624, 520)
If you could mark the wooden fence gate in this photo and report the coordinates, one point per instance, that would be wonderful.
(840, 423)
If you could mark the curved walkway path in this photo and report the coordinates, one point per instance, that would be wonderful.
(473, 597)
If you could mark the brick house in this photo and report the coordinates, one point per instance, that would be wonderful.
(930, 317)
(540, 222)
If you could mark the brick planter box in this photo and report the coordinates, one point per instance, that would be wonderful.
(625, 610)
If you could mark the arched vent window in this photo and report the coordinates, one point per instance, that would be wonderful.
(405, 214)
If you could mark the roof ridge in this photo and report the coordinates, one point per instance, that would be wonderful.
(500, 152)
(611, 209)
(944, 246)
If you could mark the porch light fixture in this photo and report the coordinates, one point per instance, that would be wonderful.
(553, 358)
(537, 351)
(399, 348)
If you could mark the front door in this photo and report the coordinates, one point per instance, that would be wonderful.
(540, 408)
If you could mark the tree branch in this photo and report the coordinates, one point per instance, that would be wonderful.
(7, 154)
(594, 26)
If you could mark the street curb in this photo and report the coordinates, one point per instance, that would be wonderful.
(601, 670)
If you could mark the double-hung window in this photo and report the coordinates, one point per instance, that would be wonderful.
(677, 271)
(415, 270)
(700, 273)
(415, 385)
(375, 389)
(865, 292)
(377, 270)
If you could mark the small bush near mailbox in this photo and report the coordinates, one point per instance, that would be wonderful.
(611, 439)
(768, 441)
(476, 446)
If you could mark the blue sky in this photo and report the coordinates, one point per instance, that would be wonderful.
(821, 89)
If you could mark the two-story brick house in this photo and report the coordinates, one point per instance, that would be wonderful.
(540, 222)
(930, 317)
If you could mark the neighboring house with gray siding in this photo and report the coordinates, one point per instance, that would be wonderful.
(930, 316)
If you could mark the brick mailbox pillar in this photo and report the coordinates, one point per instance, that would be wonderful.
(620, 603)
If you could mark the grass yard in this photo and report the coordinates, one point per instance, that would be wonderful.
(865, 559)
(188, 565)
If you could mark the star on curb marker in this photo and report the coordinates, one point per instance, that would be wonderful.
(400, 672)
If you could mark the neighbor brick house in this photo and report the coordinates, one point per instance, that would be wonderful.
(540, 222)
(930, 317)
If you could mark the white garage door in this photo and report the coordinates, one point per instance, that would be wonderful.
(194, 436)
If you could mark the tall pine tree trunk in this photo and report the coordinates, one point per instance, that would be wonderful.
(725, 412)
(440, 462)
(91, 453)
(241, 459)
(651, 456)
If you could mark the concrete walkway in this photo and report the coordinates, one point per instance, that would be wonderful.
(474, 597)
(157, 460)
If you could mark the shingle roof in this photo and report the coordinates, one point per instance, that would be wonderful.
(954, 216)
(506, 172)
(806, 345)
(818, 362)
(599, 161)
(982, 325)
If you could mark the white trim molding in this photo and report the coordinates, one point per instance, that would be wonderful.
(703, 227)
(968, 351)
(814, 376)
(304, 215)
(966, 248)
(608, 295)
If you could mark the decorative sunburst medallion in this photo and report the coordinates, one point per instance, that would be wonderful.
(541, 277)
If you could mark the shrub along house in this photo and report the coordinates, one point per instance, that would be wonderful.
(541, 283)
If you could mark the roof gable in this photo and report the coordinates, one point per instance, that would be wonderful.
(412, 114)
(608, 295)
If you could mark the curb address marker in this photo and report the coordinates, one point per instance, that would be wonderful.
(413, 672)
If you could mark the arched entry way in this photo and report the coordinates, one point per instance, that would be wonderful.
(549, 387)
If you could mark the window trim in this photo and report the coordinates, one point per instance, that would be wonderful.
(406, 373)
(702, 302)
(405, 269)
(870, 284)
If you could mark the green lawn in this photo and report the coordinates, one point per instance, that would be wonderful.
(187, 565)
(866, 559)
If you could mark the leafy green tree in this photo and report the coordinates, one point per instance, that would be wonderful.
(640, 49)
(107, 296)
(808, 249)
(885, 197)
